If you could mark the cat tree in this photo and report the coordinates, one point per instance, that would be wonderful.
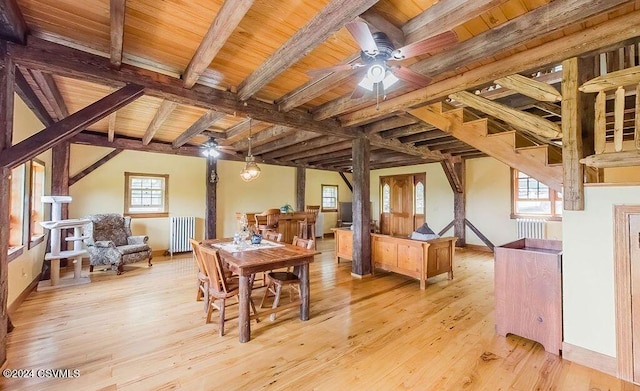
(55, 226)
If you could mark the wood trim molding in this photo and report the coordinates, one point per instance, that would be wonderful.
(589, 358)
(11, 309)
(622, 283)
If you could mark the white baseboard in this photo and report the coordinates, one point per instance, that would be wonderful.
(591, 359)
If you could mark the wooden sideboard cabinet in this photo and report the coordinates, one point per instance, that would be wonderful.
(528, 291)
(413, 258)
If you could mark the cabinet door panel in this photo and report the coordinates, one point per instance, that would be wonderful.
(385, 253)
(410, 258)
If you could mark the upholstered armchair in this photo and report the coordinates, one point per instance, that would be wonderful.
(109, 242)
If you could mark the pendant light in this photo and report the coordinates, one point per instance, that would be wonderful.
(251, 170)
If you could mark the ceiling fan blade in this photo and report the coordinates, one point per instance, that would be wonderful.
(336, 68)
(358, 92)
(361, 33)
(407, 75)
(428, 45)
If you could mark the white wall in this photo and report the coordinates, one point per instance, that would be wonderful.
(588, 277)
(23, 270)
(488, 184)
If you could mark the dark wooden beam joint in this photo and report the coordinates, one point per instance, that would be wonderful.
(346, 180)
(12, 24)
(66, 128)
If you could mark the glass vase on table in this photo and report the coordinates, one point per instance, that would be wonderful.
(244, 232)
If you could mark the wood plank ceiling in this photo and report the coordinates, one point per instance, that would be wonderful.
(250, 58)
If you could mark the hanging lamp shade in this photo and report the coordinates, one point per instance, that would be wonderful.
(251, 170)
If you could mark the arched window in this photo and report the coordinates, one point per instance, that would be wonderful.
(419, 201)
(386, 198)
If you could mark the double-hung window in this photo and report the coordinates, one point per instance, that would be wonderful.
(329, 198)
(146, 195)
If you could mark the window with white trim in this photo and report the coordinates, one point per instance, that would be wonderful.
(533, 198)
(146, 195)
(329, 198)
(36, 231)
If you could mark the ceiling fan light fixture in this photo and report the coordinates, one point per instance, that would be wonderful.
(211, 149)
(376, 72)
(389, 80)
(366, 84)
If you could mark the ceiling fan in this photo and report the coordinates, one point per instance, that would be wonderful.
(376, 56)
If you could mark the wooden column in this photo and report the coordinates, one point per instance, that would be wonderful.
(60, 157)
(7, 74)
(577, 119)
(455, 173)
(211, 179)
(459, 206)
(300, 188)
(361, 202)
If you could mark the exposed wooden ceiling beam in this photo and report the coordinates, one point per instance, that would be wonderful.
(396, 145)
(542, 20)
(613, 80)
(26, 93)
(163, 112)
(603, 34)
(303, 146)
(549, 108)
(390, 123)
(444, 16)
(530, 87)
(117, 12)
(237, 132)
(225, 22)
(404, 131)
(314, 88)
(326, 148)
(68, 62)
(99, 140)
(209, 118)
(521, 119)
(67, 127)
(297, 137)
(326, 22)
(51, 92)
(266, 136)
(327, 157)
(12, 24)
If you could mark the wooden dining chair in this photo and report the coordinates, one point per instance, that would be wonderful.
(221, 287)
(203, 279)
(272, 236)
(267, 220)
(276, 280)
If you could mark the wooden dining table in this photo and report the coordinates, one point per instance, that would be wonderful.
(251, 260)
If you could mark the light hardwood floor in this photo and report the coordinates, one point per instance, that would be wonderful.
(144, 330)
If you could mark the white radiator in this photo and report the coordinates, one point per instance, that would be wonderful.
(531, 228)
(180, 230)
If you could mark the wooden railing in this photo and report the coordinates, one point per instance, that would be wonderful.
(619, 83)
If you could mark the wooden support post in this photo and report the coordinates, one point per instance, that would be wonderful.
(575, 116)
(300, 188)
(211, 179)
(7, 76)
(361, 208)
(60, 157)
(459, 206)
